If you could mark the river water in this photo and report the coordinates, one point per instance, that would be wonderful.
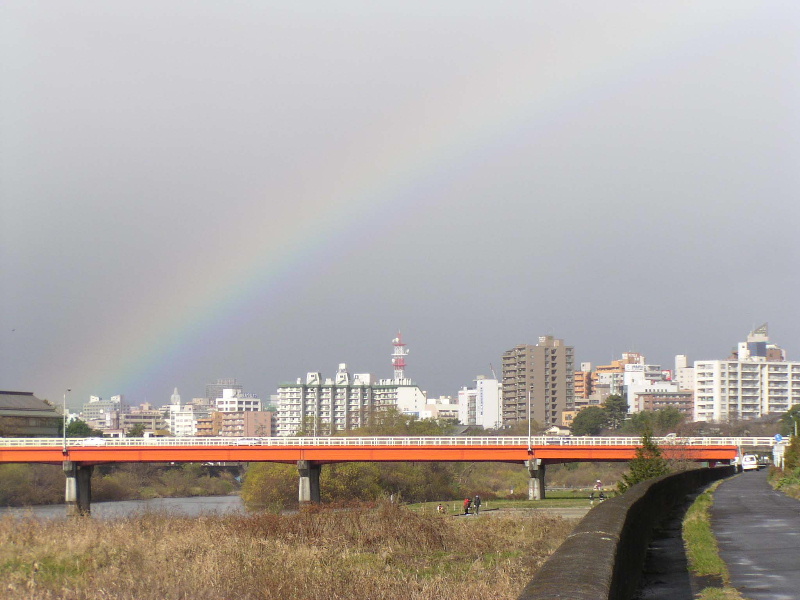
(125, 508)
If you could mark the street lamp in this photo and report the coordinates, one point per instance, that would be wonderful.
(530, 448)
(64, 428)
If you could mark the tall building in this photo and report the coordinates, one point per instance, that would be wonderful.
(748, 385)
(684, 374)
(545, 374)
(102, 414)
(214, 390)
(583, 382)
(613, 375)
(481, 405)
(345, 402)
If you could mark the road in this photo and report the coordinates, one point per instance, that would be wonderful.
(758, 531)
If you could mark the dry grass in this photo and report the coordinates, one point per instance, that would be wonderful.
(362, 552)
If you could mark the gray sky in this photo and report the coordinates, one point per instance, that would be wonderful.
(194, 190)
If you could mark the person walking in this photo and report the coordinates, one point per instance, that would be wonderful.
(467, 502)
(477, 504)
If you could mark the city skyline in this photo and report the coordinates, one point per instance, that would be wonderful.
(256, 191)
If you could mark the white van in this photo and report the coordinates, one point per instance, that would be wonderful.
(749, 463)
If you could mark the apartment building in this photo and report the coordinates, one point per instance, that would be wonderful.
(323, 407)
(345, 402)
(482, 404)
(103, 414)
(749, 385)
(233, 400)
(582, 386)
(538, 380)
(659, 400)
(247, 424)
(613, 375)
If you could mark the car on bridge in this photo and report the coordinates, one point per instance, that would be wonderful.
(95, 441)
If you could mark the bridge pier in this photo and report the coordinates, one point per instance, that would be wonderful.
(536, 488)
(309, 481)
(78, 493)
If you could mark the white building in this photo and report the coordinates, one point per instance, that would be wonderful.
(684, 374)
(642, 378)
(748, 385)
(481, 405)
(343, 403)
(102, 414)
(233, 400)
(443, 407)
(181, 419)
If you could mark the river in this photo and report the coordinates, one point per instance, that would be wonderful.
(125, 508)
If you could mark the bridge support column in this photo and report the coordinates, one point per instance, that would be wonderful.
(309, 481)
(78, 493)
(536, 489)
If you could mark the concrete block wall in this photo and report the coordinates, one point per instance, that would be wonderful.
(602, 558)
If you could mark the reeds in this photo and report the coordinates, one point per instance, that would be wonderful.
(376, 552)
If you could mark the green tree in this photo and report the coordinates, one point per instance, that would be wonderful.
(271, 486)
(136, 431)
(648, 463)
(350, 481)
(791, 455)
(520, 428)
(616, 408)
(660, 422)
(81, 429)
(392, 422)
(788, 420)
(590, 421)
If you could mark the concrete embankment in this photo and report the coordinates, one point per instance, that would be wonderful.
(603, 557)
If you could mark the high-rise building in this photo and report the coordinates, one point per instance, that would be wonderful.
(748, 385)
(542, 375)
(481, 405)
(346, 402)
(684, 374)
(214, 390)
(102, 414)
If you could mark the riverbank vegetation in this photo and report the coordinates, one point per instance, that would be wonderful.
(787, 479)
(29, 485)
(376, 552)
(270, 486)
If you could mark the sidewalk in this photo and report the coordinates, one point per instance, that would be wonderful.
(758, 531)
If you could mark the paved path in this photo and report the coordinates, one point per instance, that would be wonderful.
(758, 530)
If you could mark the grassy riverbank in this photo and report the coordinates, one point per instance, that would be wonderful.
(364, 552)
(703, 552)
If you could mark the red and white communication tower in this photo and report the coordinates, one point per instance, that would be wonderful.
(399, 357)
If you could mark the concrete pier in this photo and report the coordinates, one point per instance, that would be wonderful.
(309, 481)
(78, 493)
(536, 488)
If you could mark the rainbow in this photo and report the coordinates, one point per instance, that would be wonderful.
(370, 185)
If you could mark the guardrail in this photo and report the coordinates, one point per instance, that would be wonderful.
(384, 441)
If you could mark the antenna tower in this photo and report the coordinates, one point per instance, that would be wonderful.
(399, 357)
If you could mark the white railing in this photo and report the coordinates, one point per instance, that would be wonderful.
(380, 441)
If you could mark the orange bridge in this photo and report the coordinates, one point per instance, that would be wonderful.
(78, 456)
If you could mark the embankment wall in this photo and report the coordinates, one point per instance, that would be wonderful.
(603, 557)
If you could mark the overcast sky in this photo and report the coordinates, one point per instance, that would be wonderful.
(255, 190)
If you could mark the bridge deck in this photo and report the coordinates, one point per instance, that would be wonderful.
(359, 449)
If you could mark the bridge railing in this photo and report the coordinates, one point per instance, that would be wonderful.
(384, 441)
